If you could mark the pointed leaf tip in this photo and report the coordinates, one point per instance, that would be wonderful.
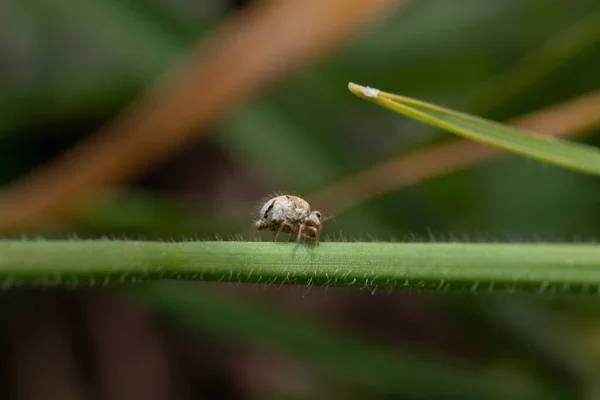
(363, 91)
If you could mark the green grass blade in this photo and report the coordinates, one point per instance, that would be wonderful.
(548, 149)
(339, 357)
(445, 267)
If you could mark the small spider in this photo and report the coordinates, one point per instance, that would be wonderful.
(289, 214)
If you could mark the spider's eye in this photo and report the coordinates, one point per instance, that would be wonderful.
(318, 214)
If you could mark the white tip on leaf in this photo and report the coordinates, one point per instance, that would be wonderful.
(370, 92)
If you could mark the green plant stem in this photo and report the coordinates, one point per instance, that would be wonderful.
(542, 268)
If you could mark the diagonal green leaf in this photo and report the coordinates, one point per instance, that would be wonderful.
(548, 149)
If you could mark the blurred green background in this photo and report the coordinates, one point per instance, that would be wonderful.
(67, 67)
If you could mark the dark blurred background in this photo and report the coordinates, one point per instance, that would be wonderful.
(69, 67)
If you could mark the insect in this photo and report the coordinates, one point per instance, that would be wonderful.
(289, 214)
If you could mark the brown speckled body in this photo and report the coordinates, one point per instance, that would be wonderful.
(289, 214)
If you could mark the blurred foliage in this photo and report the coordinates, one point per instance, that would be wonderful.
(66, 67)
(308, 132)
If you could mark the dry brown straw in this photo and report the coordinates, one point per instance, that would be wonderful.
(249, 51)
